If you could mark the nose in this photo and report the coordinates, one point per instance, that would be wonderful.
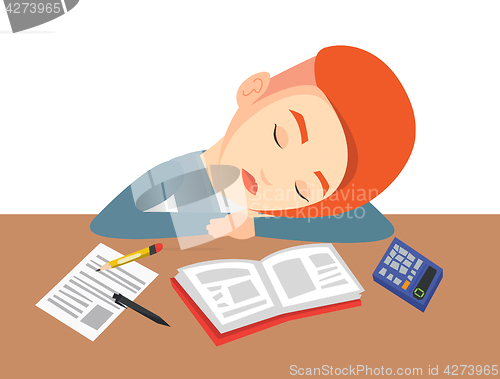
(264, 179)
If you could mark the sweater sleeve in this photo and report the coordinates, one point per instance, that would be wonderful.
(124, 217)
(363, 224)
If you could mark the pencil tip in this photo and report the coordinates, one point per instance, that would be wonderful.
(98, 269)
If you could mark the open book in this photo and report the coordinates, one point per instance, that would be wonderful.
(235, 293)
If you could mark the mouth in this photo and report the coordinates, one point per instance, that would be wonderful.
(249, 182)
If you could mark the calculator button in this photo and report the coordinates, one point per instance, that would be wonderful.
(399, 258)
(397, 281)
(407, 263)
(403, 270)
(413, 272)
(417, 265)
(411, 257)
(403, 251)
(395, 265)
(383, 271)
(392, 253)
(387, 260)
(405, 286)
(419, 293)
(396, 247)
(390, 276)
(410, 278)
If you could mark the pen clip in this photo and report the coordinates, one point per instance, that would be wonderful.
(117, 298)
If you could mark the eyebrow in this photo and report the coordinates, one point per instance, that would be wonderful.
(323, 182)
(302, 126)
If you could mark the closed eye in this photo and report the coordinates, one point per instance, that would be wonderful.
(275, 138)
(298, 192)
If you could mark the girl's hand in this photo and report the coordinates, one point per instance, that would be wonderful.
(237, 225)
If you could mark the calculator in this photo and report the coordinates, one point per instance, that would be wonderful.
(408, 274)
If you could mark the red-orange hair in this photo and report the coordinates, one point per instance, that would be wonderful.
(378, 122)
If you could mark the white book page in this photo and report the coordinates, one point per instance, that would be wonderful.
(83, 298)
(232, 290)
(309, 273)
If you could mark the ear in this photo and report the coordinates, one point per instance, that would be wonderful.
(252, 89)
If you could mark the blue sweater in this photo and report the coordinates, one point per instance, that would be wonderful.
(185, 179)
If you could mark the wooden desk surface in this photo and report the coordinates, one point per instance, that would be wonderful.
(459, 327)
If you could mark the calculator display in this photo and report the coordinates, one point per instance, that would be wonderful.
(424, 283)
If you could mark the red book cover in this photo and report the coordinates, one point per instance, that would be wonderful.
(222, 338)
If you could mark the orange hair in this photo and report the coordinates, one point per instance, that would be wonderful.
(377, 118)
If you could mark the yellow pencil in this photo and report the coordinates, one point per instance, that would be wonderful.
(153, 249)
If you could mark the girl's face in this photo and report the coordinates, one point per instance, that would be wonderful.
(290, 149)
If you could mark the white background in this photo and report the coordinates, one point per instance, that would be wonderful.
(90, 101)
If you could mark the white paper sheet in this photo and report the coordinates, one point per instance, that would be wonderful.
(309, 273)
(83, 298)
(233, 290)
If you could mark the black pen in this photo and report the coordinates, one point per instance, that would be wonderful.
(124, 302)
